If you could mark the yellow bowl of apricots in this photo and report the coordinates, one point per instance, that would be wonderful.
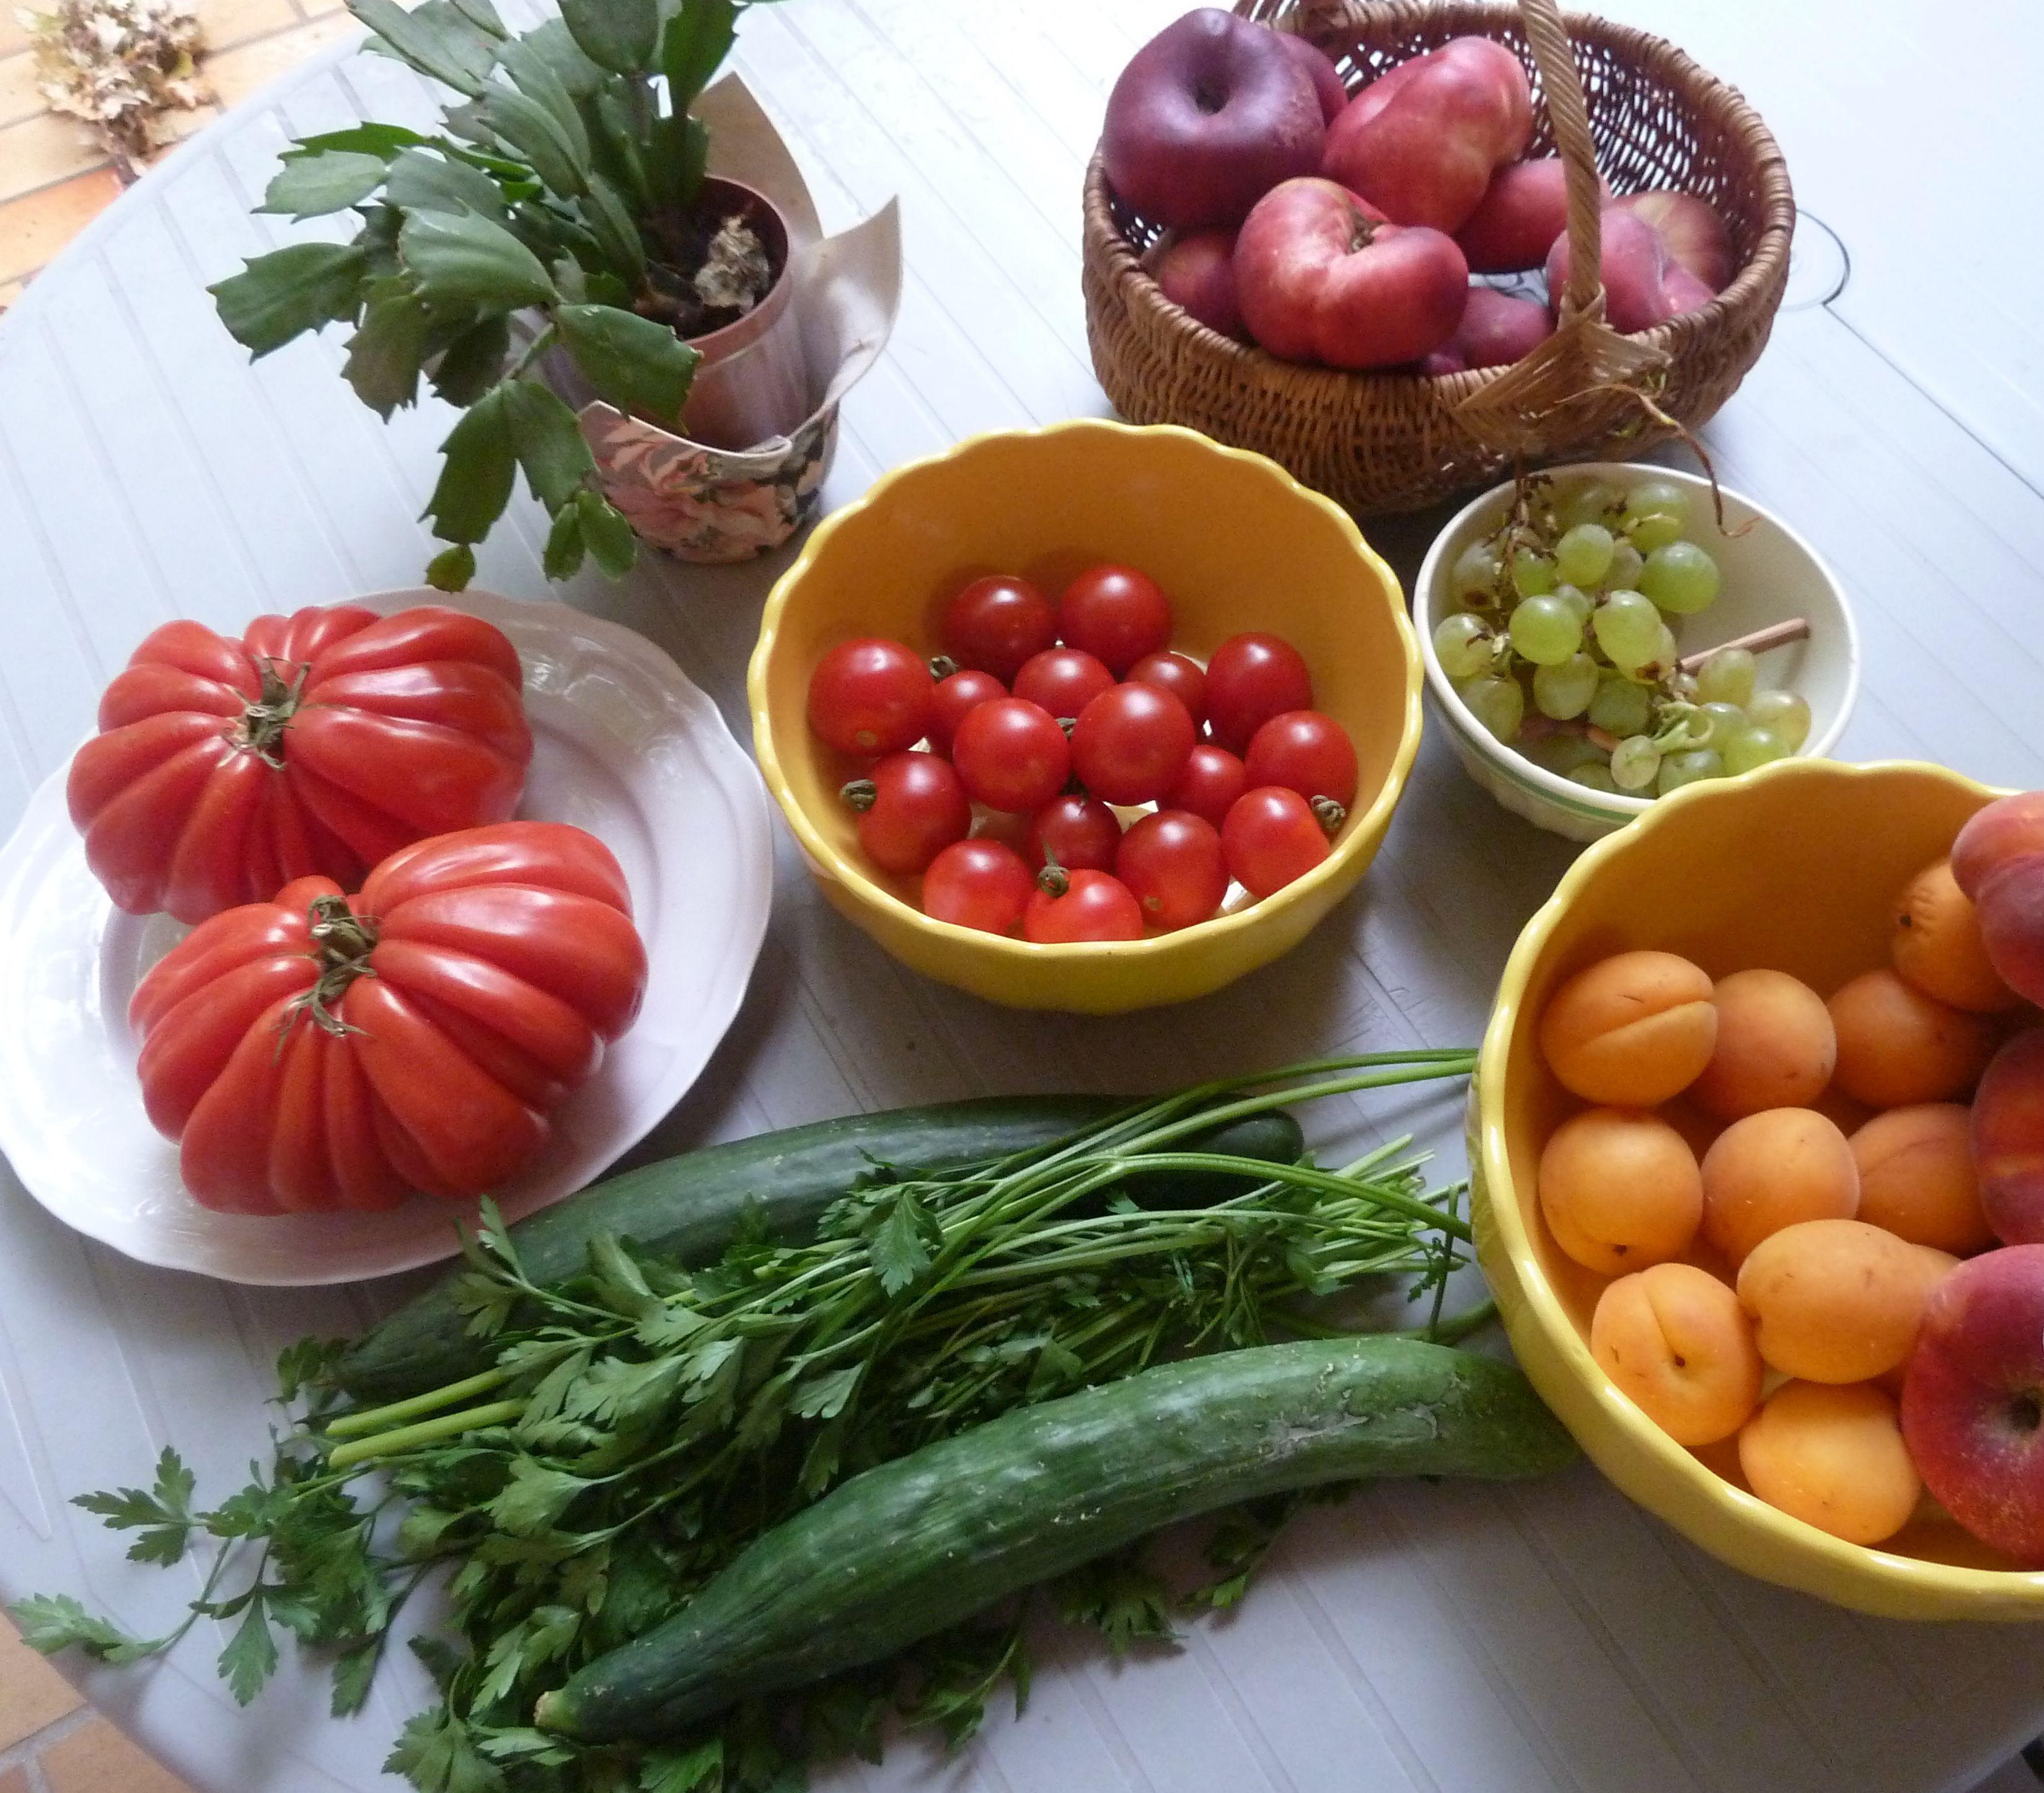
(1758, 1161)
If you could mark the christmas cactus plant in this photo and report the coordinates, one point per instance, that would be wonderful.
(554, 208)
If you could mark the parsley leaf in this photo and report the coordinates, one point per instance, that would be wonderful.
(1120, 1598)
(535, 1498)
(163, 1513)
(250, 1658)
(50, 1622)
(899, 1244)
(698, 1770)
(436, 1752)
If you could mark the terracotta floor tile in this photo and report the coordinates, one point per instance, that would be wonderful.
(229, 22)
(41, 151)
(31, 1693)
(35, 226)
(235, 73)
(19, 98)
(98, 1759)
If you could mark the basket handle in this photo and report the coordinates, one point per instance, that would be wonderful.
(1555, 57)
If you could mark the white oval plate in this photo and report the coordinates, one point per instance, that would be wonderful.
(624, 745)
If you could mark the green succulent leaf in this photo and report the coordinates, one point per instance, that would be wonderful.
(481, 458)
(473, 362)
(312, 186)
(483, 16)
(434, 39)
(632, 362)
(561, 160)
(607, 532)
(611, 219)
(385, 355)
(619, 153)
(460, 258)
(420, 181)
(451, 569)
(696, 40)
(680, 152)
(621, 35)
(381, 141)
(548, 442)
(577, 74)
(535, 77)
(565, 546)
(289, 291)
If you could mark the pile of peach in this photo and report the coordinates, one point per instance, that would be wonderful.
(1782, 1281)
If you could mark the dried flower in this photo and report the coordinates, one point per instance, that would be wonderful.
(122, 66)
(735, 272)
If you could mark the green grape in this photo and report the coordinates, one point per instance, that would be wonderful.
(1721, 722)
(1532, 574)
(1563, 752)
(1583, 555)
(1564, 690)
(1666, 651)
(1620, 706)
(1782, 713)
(1635, 762)
(1726, 676)
(1544, 630)
(1586, 501)
(1498, 703)
(1752, 746)
(1681, 577)
(1678, 769)
(1627, 628)
(1595, 776)
(1464, 645)
(1655, 511)
(1577, 600)
(1475, 572)
(1627, 564)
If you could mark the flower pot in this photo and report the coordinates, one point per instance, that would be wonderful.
(753, 381)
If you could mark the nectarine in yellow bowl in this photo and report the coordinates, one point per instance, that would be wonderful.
(1237, 544)
(1795, 867)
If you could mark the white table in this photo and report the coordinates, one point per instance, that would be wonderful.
(1543, 1637)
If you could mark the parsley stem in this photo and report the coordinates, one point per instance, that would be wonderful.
(426, 1432)
(375, 1419)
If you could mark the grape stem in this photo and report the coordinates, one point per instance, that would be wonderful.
(1775, 635)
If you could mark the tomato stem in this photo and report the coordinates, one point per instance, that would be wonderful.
(342, 943)
(261, 729)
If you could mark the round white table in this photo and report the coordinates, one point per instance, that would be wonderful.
(1548, 1636)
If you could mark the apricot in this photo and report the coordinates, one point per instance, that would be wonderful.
(1832, 1456)
(1771, 1170)
(1916, 1177)
(1837, 1300)
(1620, 1190)
(1676, 1342)
(2009, 828)
(2012, 924)
(1936, 944)
(1775, 1047)
(1897, 1047)
(1633, 1030)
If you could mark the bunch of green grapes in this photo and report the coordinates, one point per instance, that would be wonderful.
(1570, 606)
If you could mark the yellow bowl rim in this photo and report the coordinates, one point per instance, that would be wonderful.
(1361, 832)
(1861, 1562)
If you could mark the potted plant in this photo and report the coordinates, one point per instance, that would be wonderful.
(561, 217)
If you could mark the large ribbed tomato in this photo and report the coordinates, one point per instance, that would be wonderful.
(317, 1052)
(316, 744)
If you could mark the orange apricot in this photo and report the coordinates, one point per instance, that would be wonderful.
(1620, 1190)
(1769, 1171)
(1775, 1047)
(1675, 1341)
(1936, 944)
(1837, 1300)
(1832, 1456)
(1632, 1030)
(1897, 1047)
(1916, 1177)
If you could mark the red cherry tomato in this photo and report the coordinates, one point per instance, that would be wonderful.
(978, 884)
(871, 696)
(1081, 905)
(1270, 837)
(1306, 752)
(1212, 780)
(996, 623)
(1116, 614)
(911, 806)
(1130, 744)
(1249, 679)
(1173, 672)
(1078, 831)
(1011, 754)
(1172, 864)
(1063, 681)
(953, 697)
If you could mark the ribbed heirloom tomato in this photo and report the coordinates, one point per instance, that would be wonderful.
(318, 1053)
(318, 743)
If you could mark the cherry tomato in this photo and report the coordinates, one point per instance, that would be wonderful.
(871, 696)
(1079, 832)
(1130, 744)
(1306, 752)
(1064, 681)
(1212, 780)
(996, 623)
(1081, 905)
(953, 697)
(1172, 862)
(1183, 678)
(911, 806)
(1116, 614)
(978, 884)
(1270, 837)
(1011, 754)
(1249, 679)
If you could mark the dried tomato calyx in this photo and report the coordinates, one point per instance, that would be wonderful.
(342, 942)
(261, 729)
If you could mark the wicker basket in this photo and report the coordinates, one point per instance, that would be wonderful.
(1630, 103)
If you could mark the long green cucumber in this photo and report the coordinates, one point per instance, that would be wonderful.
(925, 1542)
(687, 1209)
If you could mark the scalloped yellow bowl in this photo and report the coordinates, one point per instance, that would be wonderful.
(1793, 866)
(1236, 542)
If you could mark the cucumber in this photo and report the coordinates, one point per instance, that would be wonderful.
(685, 1210)
(922, 1543)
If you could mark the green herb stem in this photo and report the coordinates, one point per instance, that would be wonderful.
(375, 1419)
(427, 1432)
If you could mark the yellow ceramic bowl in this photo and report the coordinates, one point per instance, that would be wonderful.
(1793, 866)
(1236, 542)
